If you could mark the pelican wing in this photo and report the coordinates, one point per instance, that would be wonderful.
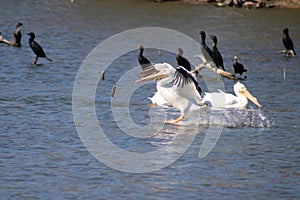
(182, 77)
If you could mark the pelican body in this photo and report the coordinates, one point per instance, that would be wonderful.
(177, 87)
(225, 100)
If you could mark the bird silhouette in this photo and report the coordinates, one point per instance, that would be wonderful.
(36, 48)
(216, 55)
(287, 42)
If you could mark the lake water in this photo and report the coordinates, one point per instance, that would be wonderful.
(43, 156)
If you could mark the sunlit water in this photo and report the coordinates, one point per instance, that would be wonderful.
(256, 155)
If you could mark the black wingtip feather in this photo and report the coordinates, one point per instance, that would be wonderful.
(183, 77)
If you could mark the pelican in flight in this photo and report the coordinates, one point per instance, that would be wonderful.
(225, 100)
(176, 86)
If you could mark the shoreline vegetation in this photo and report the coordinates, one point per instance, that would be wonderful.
(249, 4)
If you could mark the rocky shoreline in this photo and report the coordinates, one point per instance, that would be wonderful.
(244, 3)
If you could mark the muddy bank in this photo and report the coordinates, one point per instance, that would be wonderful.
(244, 3)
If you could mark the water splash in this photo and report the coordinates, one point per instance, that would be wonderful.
(231, 118)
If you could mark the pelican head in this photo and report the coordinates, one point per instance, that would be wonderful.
(240, 89)
(159, 75)
(162, 70)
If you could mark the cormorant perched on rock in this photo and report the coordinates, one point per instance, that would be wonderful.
(17, 35)
(182, 61)
(216, 55)
(36, 48)
(288, 43)
(207, 53)
(238, 67)
(144, 62)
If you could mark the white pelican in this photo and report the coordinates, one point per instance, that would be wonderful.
(157, 99)
(176, 86)
(225, 100)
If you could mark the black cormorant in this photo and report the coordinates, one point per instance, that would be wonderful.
(182, 61)
(216, 55)
(144, 62)
(36, 48)
(288, 43)
(207, 53)
(1, 38)
(17, 35)
(238, 67)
